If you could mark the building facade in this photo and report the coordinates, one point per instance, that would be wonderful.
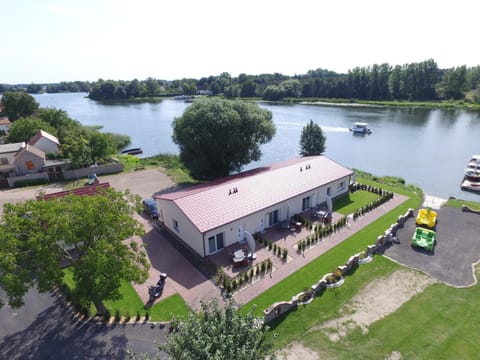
(212, 216)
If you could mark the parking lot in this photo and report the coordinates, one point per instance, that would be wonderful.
(457, 247)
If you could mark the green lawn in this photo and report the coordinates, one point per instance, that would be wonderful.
(171, 163)
(131, 304)
(353, 201)
(440, 323)
(312, 272)
(458, 204)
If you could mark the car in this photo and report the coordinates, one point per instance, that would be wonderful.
(150, 207)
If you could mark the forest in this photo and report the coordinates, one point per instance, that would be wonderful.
(422, 81)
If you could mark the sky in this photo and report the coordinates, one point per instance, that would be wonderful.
(47, 41)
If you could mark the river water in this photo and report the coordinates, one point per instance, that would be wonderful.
(428, 148)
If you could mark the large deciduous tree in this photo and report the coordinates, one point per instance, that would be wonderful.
(218, 333)
(312, 140)
(217, 137)
(88, 232)
(24, 128)
(18, 104)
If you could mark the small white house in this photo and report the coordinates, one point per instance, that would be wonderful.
(211, 216)
(46, 142)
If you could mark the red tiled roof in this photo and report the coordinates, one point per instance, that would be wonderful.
(86, 190)
(209, 205)
(4, 121)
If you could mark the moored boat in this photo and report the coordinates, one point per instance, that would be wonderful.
(132, 151)
(360, 128)
(472, 170)
(469, 185)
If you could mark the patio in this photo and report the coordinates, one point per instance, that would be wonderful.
(282, 235)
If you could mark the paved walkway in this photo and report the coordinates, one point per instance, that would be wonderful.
(183, 277)
(284, 270)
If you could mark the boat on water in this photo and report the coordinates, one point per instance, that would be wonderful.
(471, 179)
(472, 170)
(360, 128)
(132, 151)
(468, 185)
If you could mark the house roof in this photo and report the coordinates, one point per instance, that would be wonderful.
(11, 148)
(222, 201)
(43, 134)
(85, 190)
(4, 121)
(31, 149)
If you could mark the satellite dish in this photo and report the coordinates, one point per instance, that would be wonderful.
(251, 245)
(329, 205)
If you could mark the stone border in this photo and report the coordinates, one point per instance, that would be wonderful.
(279, 308)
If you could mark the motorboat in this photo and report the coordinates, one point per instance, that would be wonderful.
(360, 128)
(468, 185)
(472, 170)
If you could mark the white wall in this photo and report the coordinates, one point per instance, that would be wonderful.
(47, 146)
(186, 230)
(251, 223)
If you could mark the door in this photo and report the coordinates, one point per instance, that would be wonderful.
(241, 233)
(262, 224)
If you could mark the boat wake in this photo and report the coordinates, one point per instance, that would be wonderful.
(291, 125)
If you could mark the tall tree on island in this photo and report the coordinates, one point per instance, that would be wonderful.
(312, 140)
(217, 137)
(86, 232)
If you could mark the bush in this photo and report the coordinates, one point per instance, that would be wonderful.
(30, 182)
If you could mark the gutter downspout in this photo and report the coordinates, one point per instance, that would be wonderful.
(203, 237)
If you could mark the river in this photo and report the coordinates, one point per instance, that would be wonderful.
(427, 147)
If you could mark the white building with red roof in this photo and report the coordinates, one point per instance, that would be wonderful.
(46, 142)
(214, 215)
(4, 125)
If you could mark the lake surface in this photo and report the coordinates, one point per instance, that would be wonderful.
(428, 148)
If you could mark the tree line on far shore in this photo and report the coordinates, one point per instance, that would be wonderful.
(422, 81)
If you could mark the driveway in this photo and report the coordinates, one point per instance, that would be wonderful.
(457, 247)
(45, 329)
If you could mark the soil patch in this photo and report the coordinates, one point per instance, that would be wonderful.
(296, 350)
(375, 301)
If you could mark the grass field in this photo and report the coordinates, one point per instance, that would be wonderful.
(439, 323)
(312, 272)
(171, 163)
(130, 304)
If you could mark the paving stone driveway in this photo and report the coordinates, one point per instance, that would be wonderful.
(456, 249)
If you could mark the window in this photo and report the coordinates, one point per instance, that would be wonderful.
(273, 217)
(175, 225)
(29, 165)
(341, 186)
(306, 203)
(215, 243)
(329, 191)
